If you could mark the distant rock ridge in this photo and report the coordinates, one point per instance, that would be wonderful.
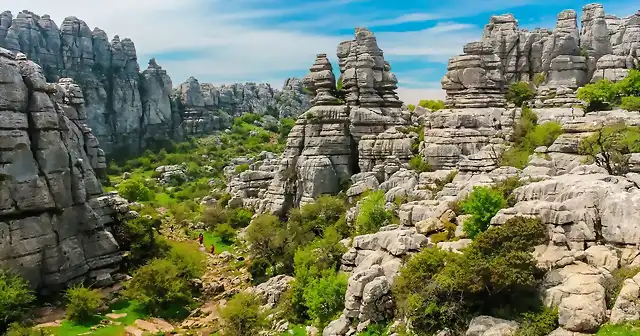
(126, 109)
(558, 61)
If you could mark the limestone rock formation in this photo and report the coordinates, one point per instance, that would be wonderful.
(128, 110)
(323, 147)
(557, 61)
(55, 222)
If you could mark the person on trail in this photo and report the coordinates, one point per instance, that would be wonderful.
(213, 249)
(201, 238)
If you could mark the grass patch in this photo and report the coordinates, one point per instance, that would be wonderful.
(221, 246)
(627, 329)
(132, 310)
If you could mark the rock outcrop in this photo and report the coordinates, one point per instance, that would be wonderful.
(55, 221)
(557, 61)
(323, 147)
(128, 110)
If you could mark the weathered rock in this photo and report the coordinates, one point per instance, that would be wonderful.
(487, 325)
(55, 221)
(271, 291)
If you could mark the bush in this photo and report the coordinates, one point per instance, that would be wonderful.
(286, 124)
(212, 216)
(411, 107)
(241, 316)
(433, 105)
(528, 135)
(139, 236)
(82, 303)
(519, 93)
(372, 214)
(315, 217)
(538, 324)
(266, 237)
(159, 285)
(599, 96)
(135, 191)
(189, 260)
(15, 298)
(610, 147)
(325, 297)
(630, 85)
(496, 275)
(17, 329)
(613, 284)
(482, 204)
(225, 232)
(241, 168)
(418, 164)
(630, 103)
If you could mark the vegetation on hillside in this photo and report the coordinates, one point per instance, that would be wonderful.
(610, 147)
(433, 105)
(605, 94)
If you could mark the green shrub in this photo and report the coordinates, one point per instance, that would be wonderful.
(325, 297)
(135, 191)
(418, 164)
(189, 260)
(507, 186)
(482, 204)
(266, 237)
(538, 324)
(223, 201)
(411, 107)
(630, 85)
(613, 284)
(372, 214)
(241, 168)
(496, 275)
(528, 135)
(158, 285)
(519, 93)
(139, 236)
(82, 303)
(286, 124)
(18, 329)
(624, 329)
(630, 103)
(600, 95)
(433, 105)
(213, 216)
(315, 217)
(239, 217)
(259, 270)
(241, 316)
(610, 147)
(539, 78)
(226, 232)
(446, 235)
(15, 298)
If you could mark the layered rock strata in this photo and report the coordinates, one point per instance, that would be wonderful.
(557, 61)
(128, 110)
(323, 148)
(55, 222)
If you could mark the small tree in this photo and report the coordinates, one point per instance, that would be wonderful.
(15, 298)
(135, 191)
(372, 214)
(241, 316)
(610, 147)
(482, 204)
(325, 297)
(418, 164)
(225, 232)
(158, 285)
(82, 303)
(599, 96)
(519, 93)
(630, 103)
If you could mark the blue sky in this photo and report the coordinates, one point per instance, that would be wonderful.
(226, 41)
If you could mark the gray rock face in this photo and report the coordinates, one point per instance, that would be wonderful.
(487, 325)
(323, 147)
(558, 61)
(55, 222)
(128, 110)
(272, 290)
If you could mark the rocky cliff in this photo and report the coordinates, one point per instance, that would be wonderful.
(55, 222)
(127, 109)
(558, 61)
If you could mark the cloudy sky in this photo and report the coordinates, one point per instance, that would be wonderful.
(225, 41)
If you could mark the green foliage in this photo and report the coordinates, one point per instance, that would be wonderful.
(610, 147)
(539, 78)
(446, 235)
(241, 168)
(158, 285)
(189, 260)
(286, 124)
(519, 93)
(225, 232)
(482, 204)
(135, 191)
(496, 275)
(411, 107)
(212, 216)
(17, 329)
(372, 214)
(528, 135)
(325, 297)
(613, 284)
(82, 303)
(506, 187)
(631, 103)
(374, 330)
(623, 329)
(630, 85)
(15, 298)
(139, 236)
(418, 164)
(600, 95)
(241, 316)
(538, 324)
(433, 105)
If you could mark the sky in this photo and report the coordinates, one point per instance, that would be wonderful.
(228, 41)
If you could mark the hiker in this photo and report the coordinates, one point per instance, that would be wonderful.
(201, 238)
(213, 249)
